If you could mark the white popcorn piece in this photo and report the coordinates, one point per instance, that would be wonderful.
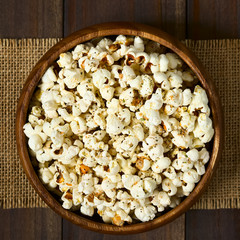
(149, 185)
(169, 109)
(187, 188)
(143, 162)
(187, 76)
(160, 77)
(193, 155)
(136, 83)
(138, 44)
(57, 138)
(147, 85)
(86, 185)
(199, 165)
(181, 139)
(203, 129)
(154, 60)
(107, 92)
(87, 210)
(204, 155)
(104, 43)
(73, 77)
(163, 62)
(188, 121)
(161, 200)
(100, 77)
(160, 164)
(145, 213)
(78, 126)
(79, 50)
(177, 181)
(65, 60)
(170, 173)
(174, 60)
(191, 176)
(175, 80)
(114, 124)
(199, 101)
(107, 184)
(77, 197)
(187, 97)
(156, 101)
(48, 79)
(169, 187)
(35, 142)
(153, 147)
(174, 97)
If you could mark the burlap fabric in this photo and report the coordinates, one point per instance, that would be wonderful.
(220, 57)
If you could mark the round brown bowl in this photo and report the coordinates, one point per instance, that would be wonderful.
(87, 34)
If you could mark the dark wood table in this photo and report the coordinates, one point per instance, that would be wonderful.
(203, 19)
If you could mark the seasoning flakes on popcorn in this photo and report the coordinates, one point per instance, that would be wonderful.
(120, 130)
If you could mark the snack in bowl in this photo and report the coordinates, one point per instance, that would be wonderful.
(119, 128)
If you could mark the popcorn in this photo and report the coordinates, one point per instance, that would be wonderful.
(170, 173)
(191, 176)
(145, 214)
(143, 162)
(203, 129)
(130, 98)
(149, 185)
(187, 97)
(193, 155)
(147, 86)
(173, 97)
(35, 142)
(160, 77)
(188, 122)
(100, 77)
(78, 126)
(187, 76)
(181, 139)
(65, 60)
(86, 185)
(87, 210)
(169, 187)
(117, 131)
(138, 44)
(153, 146)
(163, 62)
(107, 184)
(174, 60)
(155, 102)
(160, 164)
(199, 101)
(114, 124)
(48, 79)
(187, 188)
(161, 200)
(175, 80)
(107, 92)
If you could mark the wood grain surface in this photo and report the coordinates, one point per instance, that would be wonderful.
(32, 223)
(57, 18)
(174, 230)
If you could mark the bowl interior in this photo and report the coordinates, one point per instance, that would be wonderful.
(110, 29)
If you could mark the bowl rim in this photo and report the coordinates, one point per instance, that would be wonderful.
(108, 29)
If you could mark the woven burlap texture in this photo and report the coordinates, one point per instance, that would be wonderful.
(220, 57)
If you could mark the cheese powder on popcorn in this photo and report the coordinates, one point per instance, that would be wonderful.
(118, 131)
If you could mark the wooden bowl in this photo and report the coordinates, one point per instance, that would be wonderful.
(84, 35)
